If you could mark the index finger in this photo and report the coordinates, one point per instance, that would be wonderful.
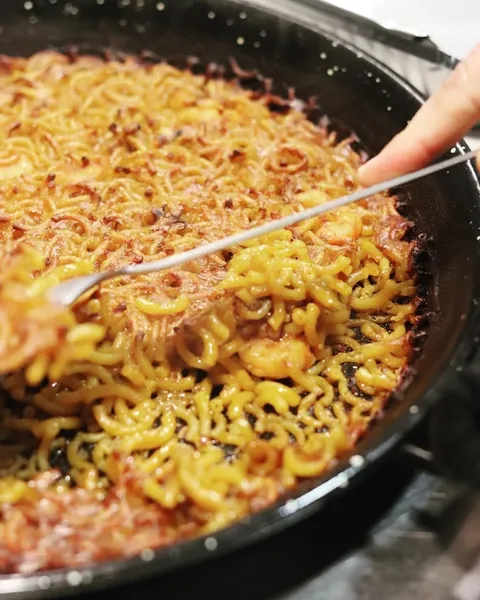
(448, 115)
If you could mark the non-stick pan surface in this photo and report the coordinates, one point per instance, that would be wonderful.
(283, 40)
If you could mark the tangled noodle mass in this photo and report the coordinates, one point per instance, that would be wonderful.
(171, 404)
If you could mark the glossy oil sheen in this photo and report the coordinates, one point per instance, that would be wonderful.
(283, 41)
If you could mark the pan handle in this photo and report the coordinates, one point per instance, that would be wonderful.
(453, 431)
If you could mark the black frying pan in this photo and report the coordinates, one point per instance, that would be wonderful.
(284, 41)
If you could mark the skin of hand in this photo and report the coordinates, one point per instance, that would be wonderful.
(446, 116)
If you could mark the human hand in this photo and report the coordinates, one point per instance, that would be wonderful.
(448, 115)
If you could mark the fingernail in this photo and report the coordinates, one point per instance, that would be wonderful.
(362, 173)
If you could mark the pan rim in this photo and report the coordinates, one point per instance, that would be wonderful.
(303, 500)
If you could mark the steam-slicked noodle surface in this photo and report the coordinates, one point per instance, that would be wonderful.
(172, 404)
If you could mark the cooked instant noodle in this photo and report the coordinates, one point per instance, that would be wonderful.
(171, 404)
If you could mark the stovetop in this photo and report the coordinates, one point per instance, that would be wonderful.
(400, 534)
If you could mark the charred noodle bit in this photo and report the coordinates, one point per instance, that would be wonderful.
(173, 404)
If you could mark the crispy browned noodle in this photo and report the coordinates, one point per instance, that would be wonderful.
(172, 404)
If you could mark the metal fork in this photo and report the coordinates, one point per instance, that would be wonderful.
(69, 291)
